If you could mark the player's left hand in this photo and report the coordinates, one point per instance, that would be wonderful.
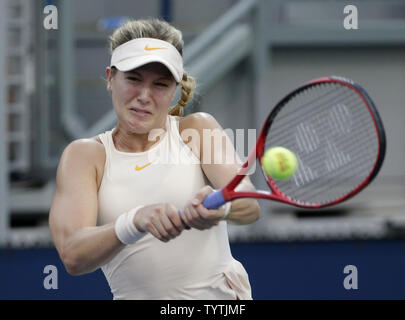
(197, 216)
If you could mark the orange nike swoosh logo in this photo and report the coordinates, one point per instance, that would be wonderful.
(148, 49)
(140, 168)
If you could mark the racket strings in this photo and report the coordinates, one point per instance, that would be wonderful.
(369, 145)
(326, 96)
(361, 118)
(318, 166)
(340, 168)
(342, 181)
(332, 132)
(308, 121)
(305, 111)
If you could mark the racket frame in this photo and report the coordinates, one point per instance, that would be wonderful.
(228, 192)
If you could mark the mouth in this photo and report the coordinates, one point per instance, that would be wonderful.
(139, 111)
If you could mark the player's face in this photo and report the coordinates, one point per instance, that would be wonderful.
(142, 97)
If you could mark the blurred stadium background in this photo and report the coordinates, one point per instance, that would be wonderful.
(246, 55)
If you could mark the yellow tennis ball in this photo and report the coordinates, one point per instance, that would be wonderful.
(279, 163)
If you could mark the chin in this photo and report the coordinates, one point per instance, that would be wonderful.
(140, 127)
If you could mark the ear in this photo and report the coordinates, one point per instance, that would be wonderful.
(108, 74)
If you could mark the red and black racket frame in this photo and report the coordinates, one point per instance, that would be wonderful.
(276, 195)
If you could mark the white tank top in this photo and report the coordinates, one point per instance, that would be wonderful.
(196, 264)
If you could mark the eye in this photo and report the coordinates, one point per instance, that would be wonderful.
(161, 84)
(133, 78)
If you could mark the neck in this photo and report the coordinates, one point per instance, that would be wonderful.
(127, 141)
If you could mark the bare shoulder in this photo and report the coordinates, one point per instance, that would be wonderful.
(86, 149)
(84, 154)
(198, 121)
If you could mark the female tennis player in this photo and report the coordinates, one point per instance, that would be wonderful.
(129, 201)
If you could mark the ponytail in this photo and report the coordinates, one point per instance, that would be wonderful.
(187, 90)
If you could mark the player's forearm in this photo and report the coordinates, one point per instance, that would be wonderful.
(244, 211)
(89, 248)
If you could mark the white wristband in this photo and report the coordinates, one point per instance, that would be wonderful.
(227, 208)
(125, 229)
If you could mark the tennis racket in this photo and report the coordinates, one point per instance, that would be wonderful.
(334, 129)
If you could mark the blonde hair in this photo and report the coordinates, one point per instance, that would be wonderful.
(158, 29)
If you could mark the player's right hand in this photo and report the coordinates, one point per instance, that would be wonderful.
(161, 220)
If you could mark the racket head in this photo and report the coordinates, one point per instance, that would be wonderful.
(334, 129)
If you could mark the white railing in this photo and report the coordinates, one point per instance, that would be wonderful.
(18, 38)
(4, 211)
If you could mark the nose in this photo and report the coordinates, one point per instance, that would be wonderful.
(144, 95)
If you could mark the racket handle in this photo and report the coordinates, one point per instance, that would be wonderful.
(214, 200)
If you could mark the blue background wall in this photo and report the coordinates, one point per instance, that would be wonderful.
(276, 270)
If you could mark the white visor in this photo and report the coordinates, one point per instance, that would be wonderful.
(141, 51)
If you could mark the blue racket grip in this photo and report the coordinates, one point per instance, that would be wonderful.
(214, 200)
